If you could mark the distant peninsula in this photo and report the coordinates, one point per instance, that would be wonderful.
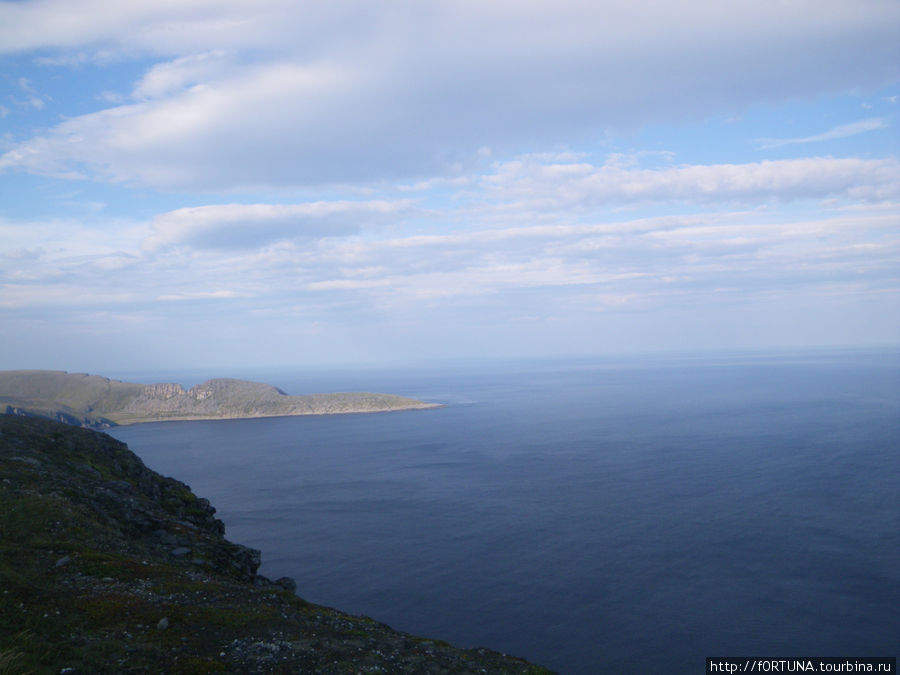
(99, 402)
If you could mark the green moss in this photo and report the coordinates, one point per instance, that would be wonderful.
(430, 641)
(198, 666)
(23, 516)
(242, 617)
(115, 566)
(112, 609)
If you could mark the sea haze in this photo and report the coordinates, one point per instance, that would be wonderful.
(591, 516)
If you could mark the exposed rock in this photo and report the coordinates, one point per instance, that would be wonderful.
(163, 390)
(27, 460)
(166, 537)
(87, 566)
(287, 584)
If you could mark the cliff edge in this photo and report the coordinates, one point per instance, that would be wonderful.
(108, 567)
(99, 402)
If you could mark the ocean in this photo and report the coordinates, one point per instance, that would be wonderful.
(591, 515)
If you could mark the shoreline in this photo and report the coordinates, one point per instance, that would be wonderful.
(211, 418)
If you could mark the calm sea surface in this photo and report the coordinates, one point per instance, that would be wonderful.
(591, 516)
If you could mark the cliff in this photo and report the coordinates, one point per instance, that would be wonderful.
(99, 402)
(108, 567)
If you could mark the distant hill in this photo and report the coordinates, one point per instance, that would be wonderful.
(99, 402)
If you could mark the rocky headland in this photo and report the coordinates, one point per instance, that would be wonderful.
(99, 402)
(109, 567)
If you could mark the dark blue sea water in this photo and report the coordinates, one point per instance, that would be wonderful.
(592, 516)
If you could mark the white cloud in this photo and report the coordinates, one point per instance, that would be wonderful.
(638, 259)
(316, 118)
(841, 131)
(541, 186)
(170, 77)
(227, 226)
(264, 125)
(33, 98)
(158, 25)
(71, 238)
(25, 86)
(202, 295)
(359, 91)
(404, 280)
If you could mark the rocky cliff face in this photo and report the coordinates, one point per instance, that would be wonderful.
(108, 567)
(165, 390)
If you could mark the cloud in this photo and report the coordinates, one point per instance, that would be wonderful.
(33, 98)
(640, 259)
(41, 24)
(266, 125)
(396, 277)
(173, 76)
(354, 91)
(841, 131)
(201, 295)
(240, 226)
(541, 186)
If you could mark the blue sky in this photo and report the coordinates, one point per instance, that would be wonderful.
(225, 183)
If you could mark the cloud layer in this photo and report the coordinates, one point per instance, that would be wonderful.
(541, 185)
(395, 178)
(253, 95)
(241, 226)
(528, 225)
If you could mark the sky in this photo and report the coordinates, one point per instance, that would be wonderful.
(227, 183)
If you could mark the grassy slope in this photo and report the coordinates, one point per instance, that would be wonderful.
(77, 394)
(89, 568)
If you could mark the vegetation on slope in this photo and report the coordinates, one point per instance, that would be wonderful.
(108, 567)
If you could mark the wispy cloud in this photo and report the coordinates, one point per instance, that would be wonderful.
(409, 173)
(33, 97)
(367, 92)
(241, 226)
(202, 295)
(552, 186)
(166, 78)
(840, 131)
